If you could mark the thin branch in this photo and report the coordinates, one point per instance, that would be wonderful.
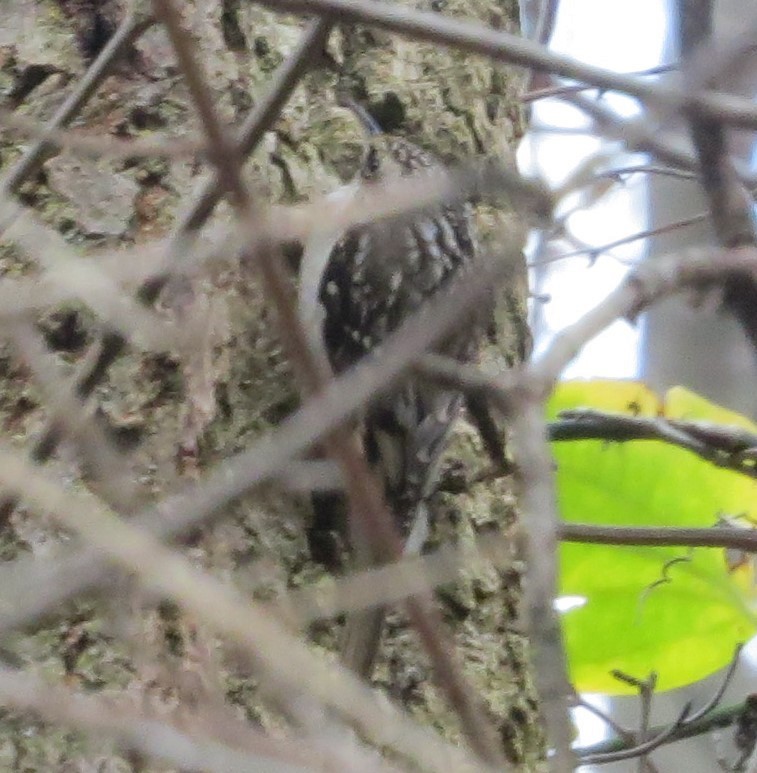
(223, 152)
(28, 588)
(88, 374)
(726, 537)
(716, 719)
(367, 504)
(731, 448)
(666, 735)
(641, 287)
(626, 735)
(665, 171)
(538, 19)
(558, 91)
(94, 366)
(475, 179)
(114, 148)
(676, 731)
(394, 582)
(498, 388)
(717, 696)
(311, 475)
(539, 512)
(646, 694)
(65, 275)
(101, 462)
(261, 118)
(621, 732)
(545, 23)
(135, 732)
(275, 652)
(130, 29)
(637, 134)
(504, 47)
(595, 252)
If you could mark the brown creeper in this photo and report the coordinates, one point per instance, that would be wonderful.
(359, 287)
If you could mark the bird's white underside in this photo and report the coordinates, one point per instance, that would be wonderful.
(315, 256)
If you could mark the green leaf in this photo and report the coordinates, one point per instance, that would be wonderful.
(676, 611)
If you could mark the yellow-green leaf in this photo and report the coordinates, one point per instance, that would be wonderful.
(676, 611)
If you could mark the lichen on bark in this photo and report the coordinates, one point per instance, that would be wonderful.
(449, 102)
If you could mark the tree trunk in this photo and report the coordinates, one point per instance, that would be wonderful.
(183, 414)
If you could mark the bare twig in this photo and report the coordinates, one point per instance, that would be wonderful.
(642, 286)
(716, 537)
(621, 732)
(67, 276)
(594, 252)
(363, 491)
(505, 47)
(130, 29)
(558, 91)
(394, 582)
(95, 365)
(101, 461)
(539, 511)
(101, 147)
(640, 750)
(33, 589)
(261, 118)
(538, 19)
(665, 171)
(689, 729)
(728, 447)
(134, 731)
(646, 694)
(276, 653)
(717, 696)
(545, 22)
(100, 357)
(88, 374)
(646, 688)
(580, 702)
(637, 134)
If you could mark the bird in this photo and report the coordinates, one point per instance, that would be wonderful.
(356, 289)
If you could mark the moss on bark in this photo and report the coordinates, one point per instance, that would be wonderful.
(446, 101)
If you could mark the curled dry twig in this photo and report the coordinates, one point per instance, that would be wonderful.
(688, 724)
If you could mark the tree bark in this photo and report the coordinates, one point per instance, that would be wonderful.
(184, 414)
